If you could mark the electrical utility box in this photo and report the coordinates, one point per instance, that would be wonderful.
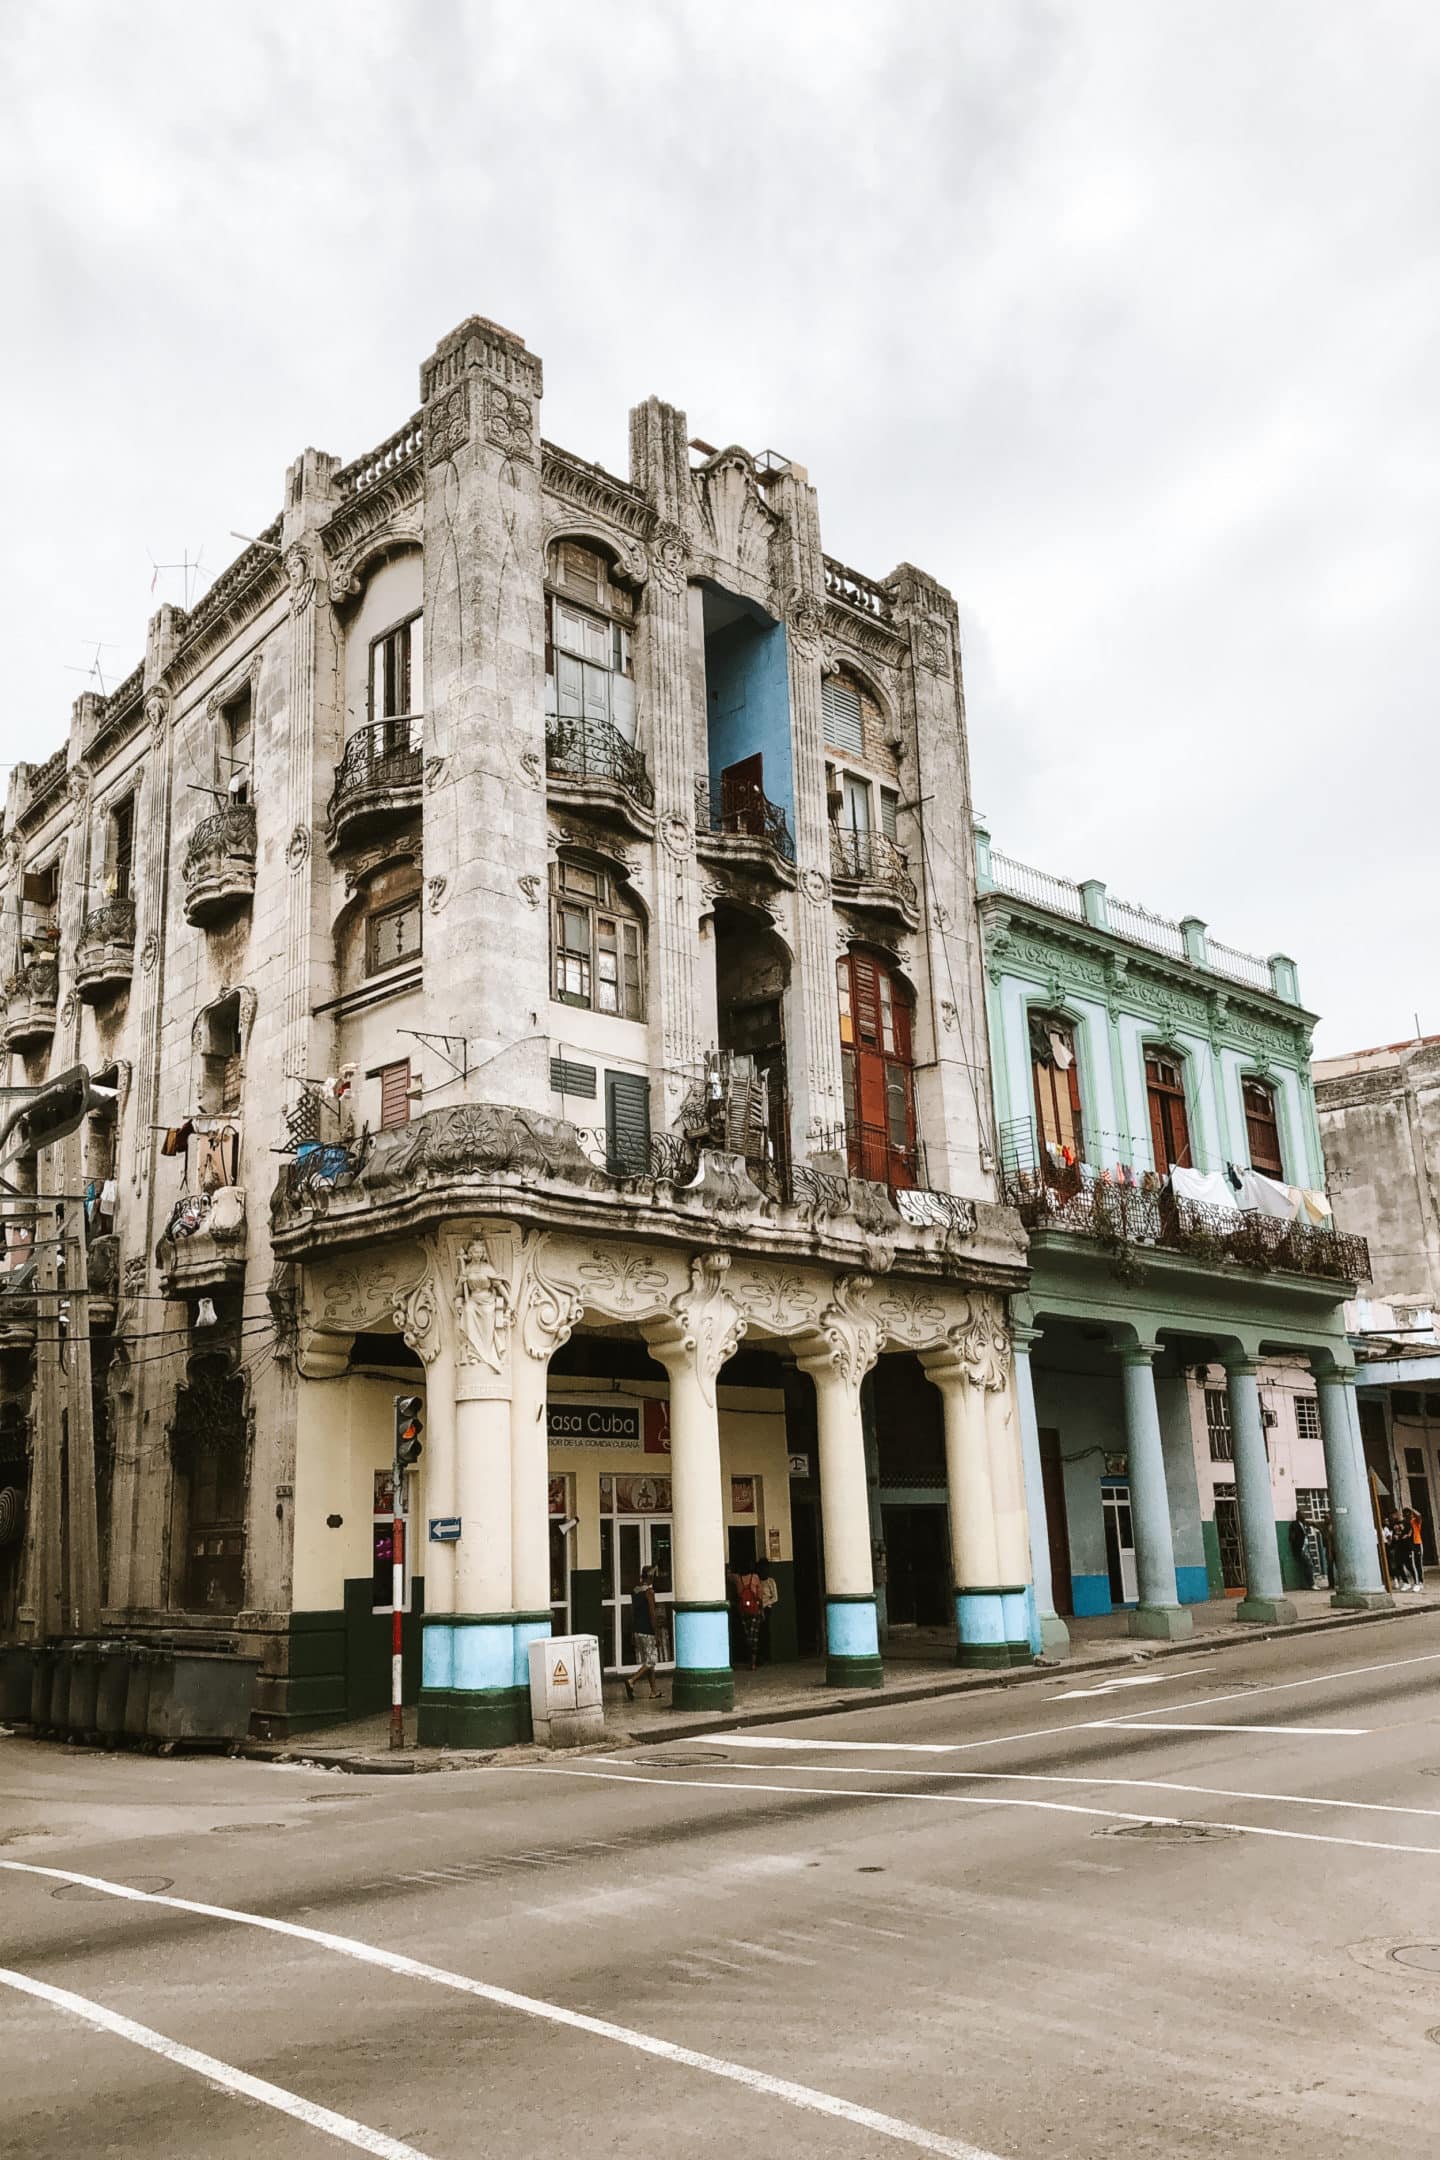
(566, 1705)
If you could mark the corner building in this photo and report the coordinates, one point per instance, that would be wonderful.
(569, 879)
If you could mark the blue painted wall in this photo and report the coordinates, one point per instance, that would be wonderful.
(747, 674)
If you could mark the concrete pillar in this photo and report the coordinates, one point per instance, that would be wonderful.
(1358, 1582)
(1054, 1636)
(1012, 1534)
(545, 1314)
(837, 1362)
(1160, 1611)
(980, 1617)
(1264, 1598)
(692, 1342)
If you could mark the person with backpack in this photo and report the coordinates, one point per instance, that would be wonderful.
(750, 1604)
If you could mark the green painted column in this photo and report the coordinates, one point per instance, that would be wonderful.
(1054, 1635)
(1264, 1600)
(1358, 1583)
(1160, 1611)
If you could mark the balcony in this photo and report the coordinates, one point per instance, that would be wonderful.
(593, 766)
(103, 1275)
(219, 869)
(869, 870)
(378, 780)
(739, 824)
(203, 1245)
(1126, 1221)
(30, 1005)
(105, 955)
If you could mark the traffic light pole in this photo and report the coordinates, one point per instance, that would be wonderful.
(397, 1603)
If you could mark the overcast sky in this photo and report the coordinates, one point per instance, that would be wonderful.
(1119, 317)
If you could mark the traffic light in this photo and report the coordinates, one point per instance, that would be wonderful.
(409, 1424)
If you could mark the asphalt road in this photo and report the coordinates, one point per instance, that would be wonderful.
(1191, 1908)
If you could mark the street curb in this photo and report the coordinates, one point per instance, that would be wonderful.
(421, 1762)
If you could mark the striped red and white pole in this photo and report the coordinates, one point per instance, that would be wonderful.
(397, 1617)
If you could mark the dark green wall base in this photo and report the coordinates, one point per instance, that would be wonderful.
(473, 1717)
(703, 1688)
(854, 1672)
(983, 1656)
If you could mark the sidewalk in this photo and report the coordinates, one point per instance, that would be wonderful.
(919, 1665)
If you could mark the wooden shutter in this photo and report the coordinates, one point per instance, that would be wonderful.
(395, 1094)
(627, 1123)
(1262, 1130)
(1169, 1125)
(568, 1077)
(840, 707)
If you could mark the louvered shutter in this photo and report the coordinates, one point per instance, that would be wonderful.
(840, 706)
(627, 1124)
(417, 665)
(569, 687)
(395, 1093)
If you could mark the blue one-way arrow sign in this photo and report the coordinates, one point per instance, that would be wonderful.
(444, 1529)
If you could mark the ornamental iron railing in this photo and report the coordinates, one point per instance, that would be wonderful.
(1125, 1218)
(36, 983)
(745, 810)
(230, 831)
(112, 923)
(871, 858)
(596, 750)
(384, 757)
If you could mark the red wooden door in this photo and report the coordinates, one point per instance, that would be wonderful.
(1169, 1125)
(1052, 1478)
(742, 796)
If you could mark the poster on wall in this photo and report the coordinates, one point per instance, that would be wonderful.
(742, 1496)
(635, 1496)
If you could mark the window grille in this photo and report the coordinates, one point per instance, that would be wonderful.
(1307, 1417)
(1217, 1421)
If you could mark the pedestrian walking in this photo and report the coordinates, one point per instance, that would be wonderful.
(1417, 1548)
(750, 1601)
(645, 1623)
(769, 1599)
(1300, 1546)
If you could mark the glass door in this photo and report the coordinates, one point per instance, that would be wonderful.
(1120, 1545)
(628, 1544)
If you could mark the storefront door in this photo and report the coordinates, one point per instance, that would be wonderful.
(629, 1543)
(1227, 1537)
(1120, 1544)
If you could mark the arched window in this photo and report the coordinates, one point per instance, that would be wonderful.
(392, 918)
(1262, 1128)
(589, 668)
(1169, 1123)
(1055, 1072)
(597, 941)
(877, 1063)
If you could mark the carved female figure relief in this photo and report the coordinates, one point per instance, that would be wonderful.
(482, 1309)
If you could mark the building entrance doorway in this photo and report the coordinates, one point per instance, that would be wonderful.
(1227, 1537)
(1057, 1522)
(1120, 1543)
(629, 1543)
(917, 1566)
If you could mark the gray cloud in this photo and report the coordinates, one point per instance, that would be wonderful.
(1120, 319)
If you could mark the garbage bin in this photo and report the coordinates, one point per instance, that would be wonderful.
(200, 1695)
(84, 1682)
(137, 1692)
(57, 1723)
(15, 1684)
(42, 1675)
(111, 1692)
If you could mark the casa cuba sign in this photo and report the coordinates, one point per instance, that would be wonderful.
(593, 1424)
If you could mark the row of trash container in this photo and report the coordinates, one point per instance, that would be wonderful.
(117, 1693)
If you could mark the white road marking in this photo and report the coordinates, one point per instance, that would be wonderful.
(856, 1792)
(1049, 1777)
(1278, 1687)
(764, 1950)
(229, 2079)
(805, 2097)
(1293, 1732)
(1154, 1679)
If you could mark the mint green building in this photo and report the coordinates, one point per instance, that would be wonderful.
(1156, 1128)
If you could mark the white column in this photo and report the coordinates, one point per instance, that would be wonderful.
(1159, 1611)
(692, 1342)
(1264, 1598)
(545, 1313)
(837, 1359)
(974, 1546)
(1054, 1635)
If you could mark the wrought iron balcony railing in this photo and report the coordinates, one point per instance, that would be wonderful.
(1125, 1218)
(112, 923)
(384, 754)
(871, 858)
(230, 831)
(596, 750)
(745, 810)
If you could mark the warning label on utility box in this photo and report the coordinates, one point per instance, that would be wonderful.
(560, 1676)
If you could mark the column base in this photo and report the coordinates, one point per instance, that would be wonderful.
(474, 1717)
(985, 1628)
(1363, 1601)
(1267, 1611)
(1168, 1623)
(990, 1657)
(1054, 1636)
(696, 1687)
(852, 1641)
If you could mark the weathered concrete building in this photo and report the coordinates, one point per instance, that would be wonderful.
(1187, 1388)
(527, 918)
(1380, 1121)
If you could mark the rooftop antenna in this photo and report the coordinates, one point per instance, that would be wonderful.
(188, 566)
(251, 541)
(93, 672)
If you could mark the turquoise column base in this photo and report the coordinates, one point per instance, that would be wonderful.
(702, 1679)
(1363, 1601)
(852, 1642)
(468, 1695)
(1267, 1611)
(984, 1619)
(1166, 1623)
